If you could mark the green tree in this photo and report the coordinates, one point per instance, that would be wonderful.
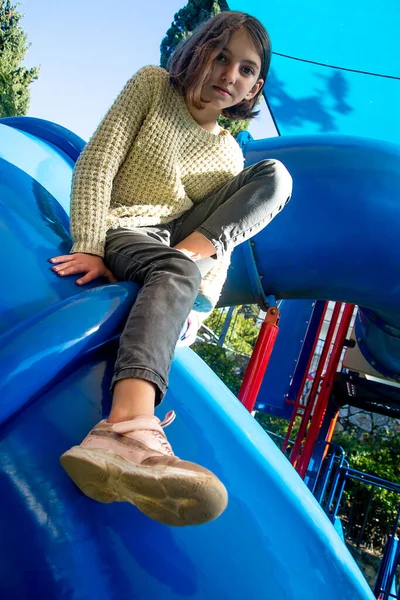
(277, 428)
(15, 79)
(235, 127)
(242, 333)
(230, 363)
(378, 454)
(222, 362)
(185, 21)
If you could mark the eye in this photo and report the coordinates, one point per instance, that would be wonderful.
(221, 58)
(247, 71)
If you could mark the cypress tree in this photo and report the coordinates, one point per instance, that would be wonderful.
(15, 78)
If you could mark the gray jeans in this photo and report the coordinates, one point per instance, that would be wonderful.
(171, 280)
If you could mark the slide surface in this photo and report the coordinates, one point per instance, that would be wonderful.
(56, 357)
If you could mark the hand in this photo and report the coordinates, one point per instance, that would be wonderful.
(92, 266)
(194, 322)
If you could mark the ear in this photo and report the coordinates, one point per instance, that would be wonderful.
(255, 89)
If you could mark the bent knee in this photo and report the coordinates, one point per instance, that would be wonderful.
(282, 184)
(275, 168)
(185, 267)
(192, 271)
(284, 178)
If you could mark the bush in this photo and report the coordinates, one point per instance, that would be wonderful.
(222, 362)
(377, 454)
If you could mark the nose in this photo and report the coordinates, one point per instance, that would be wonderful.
(229, 74)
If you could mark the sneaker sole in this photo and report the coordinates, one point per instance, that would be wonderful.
(166, 494)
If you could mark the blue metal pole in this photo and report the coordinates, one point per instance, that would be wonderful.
(335, 482)
(225, 326)
(343, 479)
(323, 480)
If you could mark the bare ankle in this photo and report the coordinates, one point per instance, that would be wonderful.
(132, 397)
(196, 246)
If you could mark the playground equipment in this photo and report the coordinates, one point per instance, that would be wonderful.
(337, 239)
(57, 351)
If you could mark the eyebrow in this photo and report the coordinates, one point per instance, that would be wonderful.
(246, 60)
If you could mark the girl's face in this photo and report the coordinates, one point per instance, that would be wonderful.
(234, 75)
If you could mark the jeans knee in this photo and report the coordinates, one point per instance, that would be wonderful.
(184, 267)
(283, 178)
(192, 272)
(279, 178)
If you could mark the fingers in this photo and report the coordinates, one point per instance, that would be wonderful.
(70, 270)
(94, 274)
(90, 266)
(87, 278)
(63, 259)
(67, 267)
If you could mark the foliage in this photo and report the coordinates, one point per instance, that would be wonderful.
(377, 454)
(185, 21)
(15, 79)
(277, 427)
(229, 363)
(222, 362)
(235, 127)
(242, 333)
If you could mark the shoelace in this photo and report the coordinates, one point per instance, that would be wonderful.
(168, 419)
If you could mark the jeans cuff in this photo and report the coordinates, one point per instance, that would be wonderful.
(219, 249)
(141, 373)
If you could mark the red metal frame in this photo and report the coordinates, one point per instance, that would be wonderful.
(259, 359)
(297, 403)
(296, 450)
(325, 391)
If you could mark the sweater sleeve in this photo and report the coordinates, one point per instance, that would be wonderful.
(100, 160)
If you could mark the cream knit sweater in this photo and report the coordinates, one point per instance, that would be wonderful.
(146, 164)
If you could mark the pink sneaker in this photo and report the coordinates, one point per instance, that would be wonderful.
(134, 462)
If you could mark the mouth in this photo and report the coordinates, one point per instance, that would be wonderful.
(221, 90)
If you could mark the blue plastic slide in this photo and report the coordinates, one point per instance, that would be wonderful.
(56, 356)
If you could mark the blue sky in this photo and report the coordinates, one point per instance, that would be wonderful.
(87, 50)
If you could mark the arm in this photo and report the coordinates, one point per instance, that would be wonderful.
(100, 161)
(93, 178)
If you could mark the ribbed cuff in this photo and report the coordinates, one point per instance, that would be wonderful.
(88, 248)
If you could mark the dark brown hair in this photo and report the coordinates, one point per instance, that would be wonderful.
(190, 64)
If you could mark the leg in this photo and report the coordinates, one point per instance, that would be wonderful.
(132, 397)
(238, 211)
(170, 284)
(128, 458)
(196, 246)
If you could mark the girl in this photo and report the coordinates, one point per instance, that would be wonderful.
(159, 197)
